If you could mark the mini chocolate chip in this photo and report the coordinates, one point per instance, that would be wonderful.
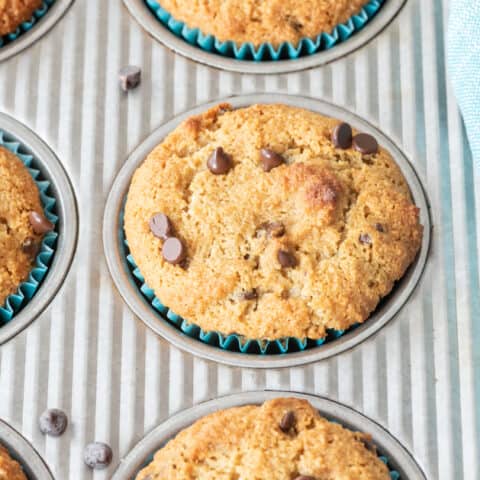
(276, 229)
(286, 259)
(53, 422)
(219, 162)
(29, 246)
(304, 477)
(98, 455)
(39, 223)
(365, 238)
(379, 227)
(250, 295)
(173, 251)
(270, 159)
(287, 422)
(365, 143)
(161, 226)
(342, 136)
(130, 77)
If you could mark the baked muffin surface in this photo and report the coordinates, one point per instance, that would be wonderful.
(19, 196)
(272, 21)
(9, 469)
(346, 219)
(15, 12)
(260, 443)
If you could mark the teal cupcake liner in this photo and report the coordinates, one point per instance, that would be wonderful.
(266, 51)
(28, 25)
(27, 289)
(232, 342)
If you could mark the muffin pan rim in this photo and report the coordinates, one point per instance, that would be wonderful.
(401, 458)
(67, 211)
(141, 13)
(139, 304)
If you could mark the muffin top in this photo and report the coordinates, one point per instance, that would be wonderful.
(19, 197)
(289, 237)
(15, 12)
(272, 21)
(9, 468)
(282, 439)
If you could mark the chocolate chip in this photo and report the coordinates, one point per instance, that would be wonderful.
(219, 162)
(365, 143)
(270, 159)
(369, 445)
(250, 295)
(39, 223)
(304, 477)
(275, 229)
(287, 422)
(365, 238)
(173, 251)
(29, 246)
(161, 226)
(53, 422)
(98, 455)
(286, 259)
(342, 136)
(379, 227)
(130, 77)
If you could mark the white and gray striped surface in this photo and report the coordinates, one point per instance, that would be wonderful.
(90, 356)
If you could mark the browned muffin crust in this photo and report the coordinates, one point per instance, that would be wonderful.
(15, 12)
(9, 468)
(272, 21)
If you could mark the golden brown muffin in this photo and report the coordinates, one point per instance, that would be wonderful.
(347, 219)
(19, 196)
(15, 12)
(272, 21)
(283, 439)
(9, 468)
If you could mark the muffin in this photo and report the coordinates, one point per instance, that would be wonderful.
(9, 468)
(283, 439)
(257, 222)
(15, 12)
(270, 21)
(22, 223)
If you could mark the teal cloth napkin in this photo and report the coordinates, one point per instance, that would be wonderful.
(463, 52)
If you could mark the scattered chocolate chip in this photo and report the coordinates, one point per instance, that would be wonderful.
(29, 246)
(369, 445)
(97, 455)
(365, 238)
(161, 226)
(342, 136)
(250, 295)
(304, 477)
(365, 143)
(219, 162)
(275, 229)
(286, 259)
(53, 422)
(173, 251)
(270, 159)
(39, 223)
(379, 227)
(130, 77)
(287, 422)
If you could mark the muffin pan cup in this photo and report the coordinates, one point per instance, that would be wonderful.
(347, 42)
(30, 31)
(399, 459)
(23, 452)
(66, 225)
(125, 281)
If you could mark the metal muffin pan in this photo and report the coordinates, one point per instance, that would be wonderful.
(122, 277)
(399, 457)
(66, 210)
(21, 450)
(144, 16)
(54, 14)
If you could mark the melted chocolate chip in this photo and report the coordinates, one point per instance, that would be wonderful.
(286, 259)
(287, 422)
(275, 229)
(379, 228)
(369, 445)
(39, 223)
(304, 477)
(342, 136)
(161, 226)
(173, 251)
(98, 455)
(270, 159)
(250, 295)
(365, 143)
(53, 422)
(365, 238)
(29, 246)
(219, 162)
